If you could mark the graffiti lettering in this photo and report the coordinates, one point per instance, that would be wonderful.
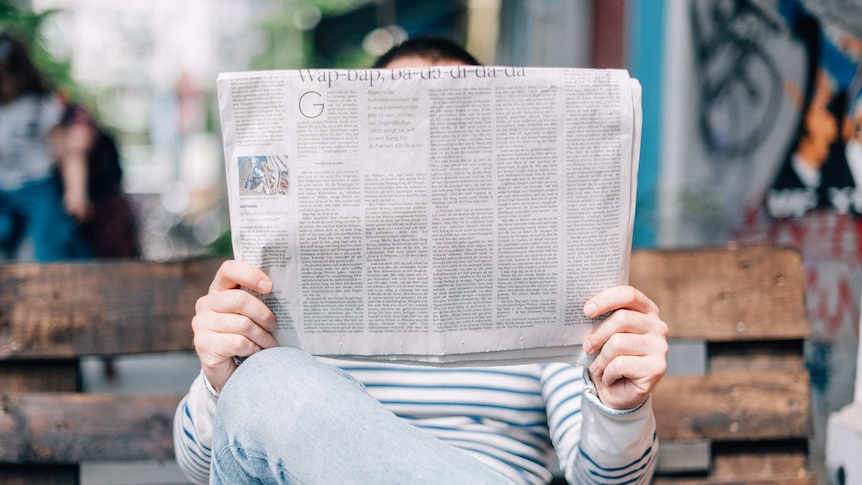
(831, 301)
(790, 202)
(845, 198)
(740, 90)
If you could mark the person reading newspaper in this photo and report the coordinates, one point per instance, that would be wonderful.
(283, 416)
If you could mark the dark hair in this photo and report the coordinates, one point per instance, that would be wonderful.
(429, 47)
(16, 62)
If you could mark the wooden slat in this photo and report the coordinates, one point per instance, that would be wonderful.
(112, 308)
(69, 428)
(46, 428)
(737, 462)
(779, 480)
(760, 459)
(40, 375)
(733, 406)
(721, 294)
(68, 310)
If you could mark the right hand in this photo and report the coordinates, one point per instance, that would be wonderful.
(230, 321)
(77, 204)
(70, 145)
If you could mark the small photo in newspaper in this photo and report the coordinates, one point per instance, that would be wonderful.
(263, 175)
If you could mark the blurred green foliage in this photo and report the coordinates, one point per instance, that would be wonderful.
(335, 7)
(222, 246)
(288, 47)
(20, 20)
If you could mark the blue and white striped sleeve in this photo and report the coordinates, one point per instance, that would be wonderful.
(193, 425)
(594, 443)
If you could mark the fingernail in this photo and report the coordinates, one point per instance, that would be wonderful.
(265, 285)
(590, 309)
(588, 346)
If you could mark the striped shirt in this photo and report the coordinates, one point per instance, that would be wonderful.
(519, 420)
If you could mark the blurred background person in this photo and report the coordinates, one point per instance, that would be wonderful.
(110, 226)
(33, 145)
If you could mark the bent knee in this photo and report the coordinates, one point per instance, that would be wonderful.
(287, 376)
(281, 358)
(283, 379)
(265, 371)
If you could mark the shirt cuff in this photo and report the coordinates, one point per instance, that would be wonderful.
(593, 398)
(208, 386)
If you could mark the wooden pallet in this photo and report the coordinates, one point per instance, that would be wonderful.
(744, 413)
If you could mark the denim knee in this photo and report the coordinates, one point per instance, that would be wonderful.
(272, 389)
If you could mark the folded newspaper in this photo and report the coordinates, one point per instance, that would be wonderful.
(442, 215)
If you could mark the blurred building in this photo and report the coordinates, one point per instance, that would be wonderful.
(151, 66)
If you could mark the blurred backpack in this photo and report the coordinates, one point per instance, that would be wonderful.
(112, 228)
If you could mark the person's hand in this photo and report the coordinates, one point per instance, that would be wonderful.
(77, 204)
(70, 145)
(230, 321)
(630, 346)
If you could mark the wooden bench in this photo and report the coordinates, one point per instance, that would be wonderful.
(50, 316)
(744, 419)
(743, 414)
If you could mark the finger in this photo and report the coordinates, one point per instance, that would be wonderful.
(216, 350)
(643, 372)
(255, 349)
(233, 274)
(619, 297)
(628, 344)
(624, 321)
(242, 346)
(238, 302)
(207, 326)
(228, 323)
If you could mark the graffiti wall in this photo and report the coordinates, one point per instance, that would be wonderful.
(764, 144)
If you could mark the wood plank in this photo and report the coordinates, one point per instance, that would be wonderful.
(760, 459)
(68, 428)
(11, 474)
(778, 480)
(725, 294)
(118, 307)
(40, 375)
(734, 406)
(72, 309)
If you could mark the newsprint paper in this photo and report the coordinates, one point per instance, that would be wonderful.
(441, 215)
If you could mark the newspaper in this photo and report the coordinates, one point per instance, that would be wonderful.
(440, 215)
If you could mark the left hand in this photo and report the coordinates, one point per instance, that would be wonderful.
(630, 346)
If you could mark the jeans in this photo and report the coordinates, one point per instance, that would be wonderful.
(36, 211)
(285, 418)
